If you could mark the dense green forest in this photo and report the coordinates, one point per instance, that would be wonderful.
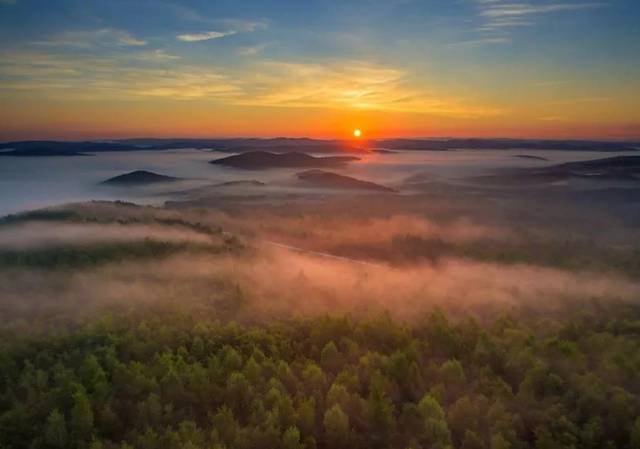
(168, 379)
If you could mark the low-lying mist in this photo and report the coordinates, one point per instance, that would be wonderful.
(259, 280)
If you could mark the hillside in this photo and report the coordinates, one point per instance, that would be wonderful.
(258, 160)
(618, 168)
(321, 178)
(139, 177)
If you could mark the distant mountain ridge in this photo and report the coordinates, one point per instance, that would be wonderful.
(286, 145)
(41, 148)
(506, 144)
(617, 168)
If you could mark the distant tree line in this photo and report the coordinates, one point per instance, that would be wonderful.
(91, 255)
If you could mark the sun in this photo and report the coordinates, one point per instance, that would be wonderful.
(357, 133)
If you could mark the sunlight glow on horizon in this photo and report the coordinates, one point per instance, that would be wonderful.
(251, 71)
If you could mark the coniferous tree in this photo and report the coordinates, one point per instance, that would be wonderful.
(291, 439)
(55, 431)
(336, 427)
(81, 417)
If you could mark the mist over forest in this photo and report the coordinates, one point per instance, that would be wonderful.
(244, 309)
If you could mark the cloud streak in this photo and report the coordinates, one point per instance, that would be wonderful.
(481, 41)
(500, 17)
(499, 9)
(205, 36)
(93, 38)
(357, 85)
(233, 27)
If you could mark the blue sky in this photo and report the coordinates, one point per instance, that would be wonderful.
(563, 65)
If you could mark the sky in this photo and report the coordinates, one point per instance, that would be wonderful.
(76, 69)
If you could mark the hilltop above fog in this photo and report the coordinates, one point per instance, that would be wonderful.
(256, 160)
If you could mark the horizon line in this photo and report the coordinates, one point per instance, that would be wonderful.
(340, 139)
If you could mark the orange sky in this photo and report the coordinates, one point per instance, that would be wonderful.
(395, 69)
(189, 119)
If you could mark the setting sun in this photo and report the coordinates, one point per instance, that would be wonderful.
(357, 133)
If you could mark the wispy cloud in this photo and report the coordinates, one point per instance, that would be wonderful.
(283, 84)
(157, 55)
(245, 26)
(232, 26)
(499, 24)
(91, 38)
(204, 36)
(357, 85)
(189, 83)
(499, 17)
(113, 77)
(481, 41)
(251, 50)
(498, 9)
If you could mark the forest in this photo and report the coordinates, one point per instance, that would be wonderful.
(168, 379)
(151, 328)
